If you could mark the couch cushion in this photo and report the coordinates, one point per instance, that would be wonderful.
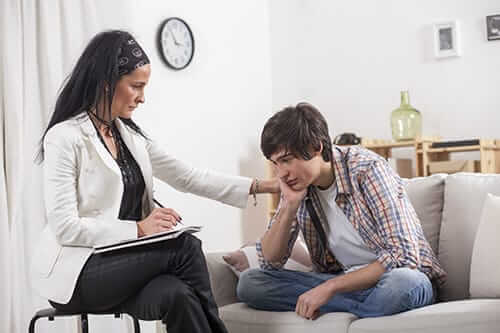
(450, 317)
(484, 268)
(426, 195)
(464, 198)
(239, 318)
(222, 280)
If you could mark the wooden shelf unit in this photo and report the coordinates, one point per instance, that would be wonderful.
(384, 147)
(424, 155)
(489, 155)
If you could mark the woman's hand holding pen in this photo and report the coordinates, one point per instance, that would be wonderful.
(160, 219)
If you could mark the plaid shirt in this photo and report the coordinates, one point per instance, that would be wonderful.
(373, 199)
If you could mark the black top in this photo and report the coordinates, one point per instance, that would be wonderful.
(133, 181)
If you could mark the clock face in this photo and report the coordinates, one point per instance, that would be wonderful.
(176, 43)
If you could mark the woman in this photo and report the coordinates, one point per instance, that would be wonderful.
(98, 183)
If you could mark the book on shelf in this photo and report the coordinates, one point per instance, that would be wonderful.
(455, 143)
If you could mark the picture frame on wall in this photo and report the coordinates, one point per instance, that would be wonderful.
(493, 27)
(446, 39)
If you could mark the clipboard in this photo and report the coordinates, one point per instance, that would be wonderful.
(158, 237)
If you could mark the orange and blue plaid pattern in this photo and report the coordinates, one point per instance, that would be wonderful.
(373, 199)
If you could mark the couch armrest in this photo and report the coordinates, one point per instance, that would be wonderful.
(222, 279)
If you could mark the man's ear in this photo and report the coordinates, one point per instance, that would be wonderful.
(320, 150)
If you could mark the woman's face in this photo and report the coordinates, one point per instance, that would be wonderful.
(129, 92)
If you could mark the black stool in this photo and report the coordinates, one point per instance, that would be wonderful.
(51, 313)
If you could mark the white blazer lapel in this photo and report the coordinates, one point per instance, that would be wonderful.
(90, 131)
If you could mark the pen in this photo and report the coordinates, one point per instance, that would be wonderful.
(161, 206)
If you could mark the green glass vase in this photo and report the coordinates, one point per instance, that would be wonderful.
(406, 121)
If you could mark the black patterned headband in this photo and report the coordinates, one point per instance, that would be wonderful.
(131, 56)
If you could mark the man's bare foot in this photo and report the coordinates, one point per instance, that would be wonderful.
(237, 259)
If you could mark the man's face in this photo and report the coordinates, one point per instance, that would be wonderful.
(296, 172)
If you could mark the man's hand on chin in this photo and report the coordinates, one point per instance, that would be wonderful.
(291, 196)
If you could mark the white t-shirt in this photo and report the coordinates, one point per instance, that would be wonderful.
(343, 240)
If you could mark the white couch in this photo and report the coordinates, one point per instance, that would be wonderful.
(449, 208)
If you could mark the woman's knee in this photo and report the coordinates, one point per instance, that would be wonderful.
(191, 242)
(160, 297)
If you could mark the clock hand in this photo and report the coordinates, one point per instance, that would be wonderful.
(173, 35)
(179, 43)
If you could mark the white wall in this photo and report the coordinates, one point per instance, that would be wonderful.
(211, 113)
(352, 58)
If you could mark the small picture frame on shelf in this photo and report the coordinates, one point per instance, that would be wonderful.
(493, 27)
(446, 39)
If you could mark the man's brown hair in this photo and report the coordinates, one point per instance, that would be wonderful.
(297, 130)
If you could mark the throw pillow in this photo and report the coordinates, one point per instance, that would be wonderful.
(426, 196)
(485, 269)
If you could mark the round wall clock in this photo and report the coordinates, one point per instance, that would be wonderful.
(176, 43)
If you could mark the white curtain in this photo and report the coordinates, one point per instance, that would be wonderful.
(40, 41)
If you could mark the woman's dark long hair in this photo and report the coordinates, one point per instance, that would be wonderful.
(91, 85)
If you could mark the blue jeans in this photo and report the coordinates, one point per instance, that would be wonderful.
(399, 290)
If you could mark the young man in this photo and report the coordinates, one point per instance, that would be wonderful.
(369, 253)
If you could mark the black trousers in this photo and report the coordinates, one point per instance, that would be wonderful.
(165, 281)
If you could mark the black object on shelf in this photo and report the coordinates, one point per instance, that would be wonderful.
(459, 143)
(347, 139)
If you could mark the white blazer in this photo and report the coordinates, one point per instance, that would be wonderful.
(83, 190)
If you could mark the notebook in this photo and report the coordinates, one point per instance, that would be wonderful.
(158, 237)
